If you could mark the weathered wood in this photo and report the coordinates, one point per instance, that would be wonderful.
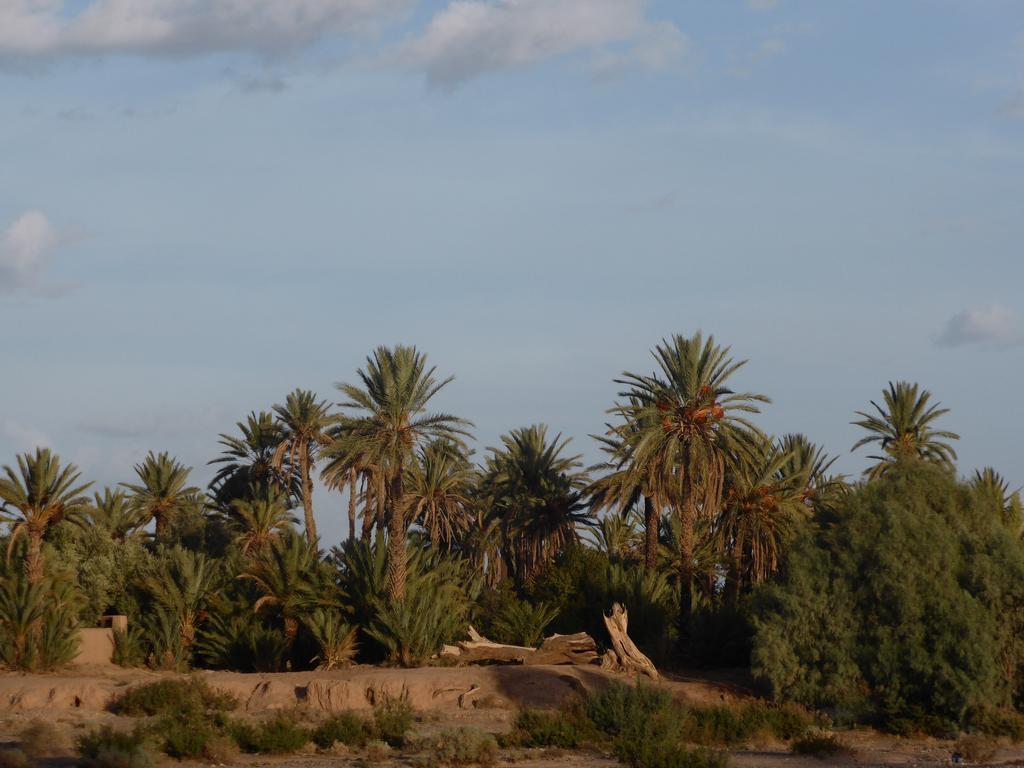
(557, 649)
(624, 656)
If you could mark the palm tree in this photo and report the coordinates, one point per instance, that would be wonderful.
(389, 424)
(536, 494)
(259, 521)
(162, 493)
(304, 420)
(437, 491)
(685, 428)
(992, 487)
(822, 491)
(181, 586)
(41, 494)
(903, 429)
(287, 573)
(764, 501)
(626, 482)
(617, 536)
(115, 513)
(247, 462)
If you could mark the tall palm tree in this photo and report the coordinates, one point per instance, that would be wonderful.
(764, 501)
(535, 491)
(287, 573)
(247, 462)
(685, 428)
(41, 494)
(259, 521)
(162, 493)
(115, 513)
(822, 490)
(438, 487)
(903, 429)
(388, 423)
(304, 420)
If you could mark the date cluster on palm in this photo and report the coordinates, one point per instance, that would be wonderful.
(580, 649)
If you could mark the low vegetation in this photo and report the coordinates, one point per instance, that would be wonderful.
(462, 747)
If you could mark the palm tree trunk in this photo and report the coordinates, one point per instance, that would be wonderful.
(734, 579)
(651, 520)
(368, 508)
(160, 532)
(687, 518)
(381, 497)
(396, 540)
(307, 497)
(34, 557)
(352, 479)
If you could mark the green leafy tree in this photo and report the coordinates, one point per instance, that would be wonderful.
(40, 494)
(304, 421)
(903, 427)
(387, 421)
(163, 494)
(686, 427)
(906, 607)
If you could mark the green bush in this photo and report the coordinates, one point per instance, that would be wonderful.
(392, 720)
(523, 623)
(818, 744)
(172, 697)
(975, 748)
(620, 708)
(996, 722)
(278, 735)
(350, 729)
(900, 608)
(128, 648)
(107, 748)
(670, 754)
(725, 725)
(463, 747)
(544, 728)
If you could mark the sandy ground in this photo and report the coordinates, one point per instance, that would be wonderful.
(485, 697)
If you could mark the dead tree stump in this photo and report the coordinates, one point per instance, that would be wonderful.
(624, 656)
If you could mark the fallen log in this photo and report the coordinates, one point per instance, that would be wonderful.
(557, 649)
(624, 656)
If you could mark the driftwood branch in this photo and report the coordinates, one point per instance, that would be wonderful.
(624, 656)
(557, 649)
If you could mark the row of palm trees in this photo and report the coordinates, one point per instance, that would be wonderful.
(680, 446)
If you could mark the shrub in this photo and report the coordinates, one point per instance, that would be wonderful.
(13, 758)
(542, 728)
(107, 748)
(392, 719)
(975, 748)
(351, 730)
(619, 707)
(128, 648)
(40, 738)
(820, 745)
(996, 722)
(242, 643)
(334, 637)
(942, 641)
(278, 735)
(668, 754)
(464, 747)
(523, 623)
(185, 737)
(172, 697)
(725, 725)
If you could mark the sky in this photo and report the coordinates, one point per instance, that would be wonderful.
(205, 204)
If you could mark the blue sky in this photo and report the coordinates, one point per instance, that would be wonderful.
(205, 204)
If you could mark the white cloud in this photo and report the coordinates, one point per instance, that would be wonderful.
(472, 37)
(26, 248)
(994, 324)
(35, 29)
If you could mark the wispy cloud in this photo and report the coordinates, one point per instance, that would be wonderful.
(27, 247)
(36, 30)
(470, 38)
(994, 324)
